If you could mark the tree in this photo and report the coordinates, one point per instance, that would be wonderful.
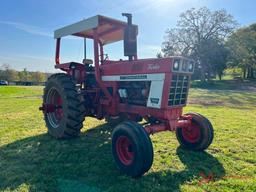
(24, 75)
(12, 75)
(194, 30)
(8, 74)
(216, 58)
(242, 45)
(38, 77)
(3, 68)
(159, 55)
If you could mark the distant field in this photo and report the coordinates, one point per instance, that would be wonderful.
(30, 160)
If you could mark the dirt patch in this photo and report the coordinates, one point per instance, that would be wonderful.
(205, 102)
(244, 85)
(249, 87)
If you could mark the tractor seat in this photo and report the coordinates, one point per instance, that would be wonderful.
(87, 61)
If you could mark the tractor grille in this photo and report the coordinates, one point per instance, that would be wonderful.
(178, 90)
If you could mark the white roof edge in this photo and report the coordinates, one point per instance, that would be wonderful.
(83, 25)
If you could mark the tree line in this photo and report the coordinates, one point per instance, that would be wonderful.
(214, 41)
(11, 75)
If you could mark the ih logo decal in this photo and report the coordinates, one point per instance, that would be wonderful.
(154, 100)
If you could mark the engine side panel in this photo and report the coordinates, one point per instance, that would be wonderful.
(140, 89)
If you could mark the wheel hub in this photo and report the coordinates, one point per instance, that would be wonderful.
(124, 150)
(191, 133)
(53, 107)
(49, 108)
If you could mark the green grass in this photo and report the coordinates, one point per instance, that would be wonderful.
(30, 160)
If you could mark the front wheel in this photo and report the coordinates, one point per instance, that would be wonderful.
(132, 149)
(198, 136)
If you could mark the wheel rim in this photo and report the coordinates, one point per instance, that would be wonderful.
(55, 116)
(59, 111)
(192, 133)
(124, 150)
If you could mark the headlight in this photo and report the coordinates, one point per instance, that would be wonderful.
(176, 64)
(191, 66)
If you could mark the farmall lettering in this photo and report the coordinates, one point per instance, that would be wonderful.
(153, 66)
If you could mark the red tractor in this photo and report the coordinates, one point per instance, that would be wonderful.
(124, 92)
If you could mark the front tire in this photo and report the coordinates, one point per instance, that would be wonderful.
(66, 119)
(198, 136)
(132, 149)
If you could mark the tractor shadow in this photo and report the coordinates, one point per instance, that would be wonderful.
(42, 163)
(200, 168)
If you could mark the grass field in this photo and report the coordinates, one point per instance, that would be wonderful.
(30, 160)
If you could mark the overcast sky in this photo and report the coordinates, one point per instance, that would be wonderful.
(26, 26)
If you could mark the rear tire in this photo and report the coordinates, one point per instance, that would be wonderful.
(132, 149)
(199, 136)
(67, 120)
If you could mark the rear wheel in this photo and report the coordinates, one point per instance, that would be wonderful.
(64, 115)
(132, 149)
(198, 136)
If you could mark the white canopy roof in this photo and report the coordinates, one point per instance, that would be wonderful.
(109, 30)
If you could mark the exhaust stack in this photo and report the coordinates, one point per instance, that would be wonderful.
(130, 38)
